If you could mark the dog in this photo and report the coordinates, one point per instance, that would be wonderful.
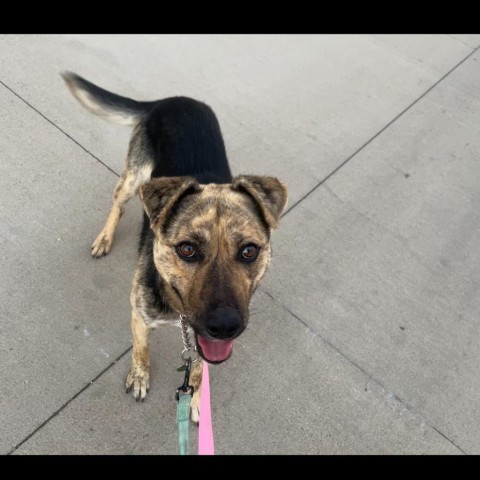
(205, 241)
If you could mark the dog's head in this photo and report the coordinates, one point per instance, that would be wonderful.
(211, 249)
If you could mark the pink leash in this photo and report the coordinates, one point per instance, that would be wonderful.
(205, 432)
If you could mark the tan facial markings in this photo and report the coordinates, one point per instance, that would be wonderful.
(218, 223)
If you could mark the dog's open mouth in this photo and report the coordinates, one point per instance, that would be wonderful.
(214, 351)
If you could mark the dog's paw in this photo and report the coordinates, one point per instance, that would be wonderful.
(195, 407)
(138, 379)
(102, 245)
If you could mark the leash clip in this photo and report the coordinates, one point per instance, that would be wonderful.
(186, 388)
(190, 354)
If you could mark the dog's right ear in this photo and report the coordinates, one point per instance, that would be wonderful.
(160, 195)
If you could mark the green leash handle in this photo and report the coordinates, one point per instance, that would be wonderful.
(183, 422)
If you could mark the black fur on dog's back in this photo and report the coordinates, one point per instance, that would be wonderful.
(187, 140)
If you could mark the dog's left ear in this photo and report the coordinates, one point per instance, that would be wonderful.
(269, 193)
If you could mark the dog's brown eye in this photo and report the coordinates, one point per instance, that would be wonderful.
(186, 251)
(248, 253)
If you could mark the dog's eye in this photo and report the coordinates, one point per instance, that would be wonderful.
(248, 253)
(186, 251)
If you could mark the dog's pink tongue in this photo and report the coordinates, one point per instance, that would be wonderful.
(216, 350)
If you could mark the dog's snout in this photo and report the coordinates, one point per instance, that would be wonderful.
(224, 323)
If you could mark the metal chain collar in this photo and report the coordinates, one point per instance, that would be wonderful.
(189, 351)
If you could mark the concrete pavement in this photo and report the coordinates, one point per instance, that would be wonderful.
(366, 337)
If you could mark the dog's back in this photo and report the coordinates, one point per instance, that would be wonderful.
(187, 140)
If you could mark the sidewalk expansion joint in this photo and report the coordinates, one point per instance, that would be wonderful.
(365, 372)
(60, 129)
(370, 140)
(56, 412)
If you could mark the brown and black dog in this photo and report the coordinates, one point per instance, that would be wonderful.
(205, 241)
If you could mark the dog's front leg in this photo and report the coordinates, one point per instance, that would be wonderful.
(196, 383)
(139, 376)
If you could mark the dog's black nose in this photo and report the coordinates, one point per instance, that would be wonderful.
(223, 323)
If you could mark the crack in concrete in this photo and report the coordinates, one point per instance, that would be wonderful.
(365, 372)
(370, 140)
(58, 128)
(56, 412)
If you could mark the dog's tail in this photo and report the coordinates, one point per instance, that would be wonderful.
(110, 106)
